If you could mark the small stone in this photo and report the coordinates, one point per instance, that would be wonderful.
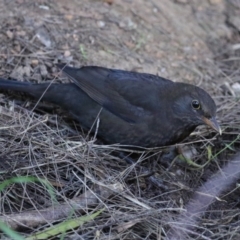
(17, 73)
(68, 17)
(91, 39)
(27, 71)
(236, 46)
(101, 24)
(236, 88)
(67, 53)
(189, 152)
(163, 70)
(43, 70)
(102, 53)
(127, 24)
(9, 34)
(54, 70)
(179, 172)
(44, 37)
(44, 7)
(75, 37)
(34, 62)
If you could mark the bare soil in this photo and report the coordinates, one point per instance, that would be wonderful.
(191, 41)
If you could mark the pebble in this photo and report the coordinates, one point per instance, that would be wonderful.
(34, 62)
(67, 53)
(127, 24)
(9, 34)
(236, 88)
(101, 24)
(68, 17)
(43, 70)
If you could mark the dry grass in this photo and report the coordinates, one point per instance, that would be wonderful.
(87, 176)
(47, 147)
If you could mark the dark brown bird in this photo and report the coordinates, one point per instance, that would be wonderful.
(136, 109)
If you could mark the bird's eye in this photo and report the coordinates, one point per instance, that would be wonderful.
(196, 104)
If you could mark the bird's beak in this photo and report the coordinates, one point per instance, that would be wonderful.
(212, 122)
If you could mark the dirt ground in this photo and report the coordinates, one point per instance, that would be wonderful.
(192, 41)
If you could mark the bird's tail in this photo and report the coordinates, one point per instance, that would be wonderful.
(60, 94)
(14, 85)
(42, 90)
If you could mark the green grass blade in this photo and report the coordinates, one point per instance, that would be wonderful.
(65, 226)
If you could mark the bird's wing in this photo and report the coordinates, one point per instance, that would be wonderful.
(128, 95)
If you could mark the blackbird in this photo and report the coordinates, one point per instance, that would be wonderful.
(129, 108)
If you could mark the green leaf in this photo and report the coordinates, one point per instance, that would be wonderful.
(63, 227)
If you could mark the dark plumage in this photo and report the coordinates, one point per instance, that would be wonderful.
(135, 109)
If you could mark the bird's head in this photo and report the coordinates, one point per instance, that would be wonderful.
(194, 106)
